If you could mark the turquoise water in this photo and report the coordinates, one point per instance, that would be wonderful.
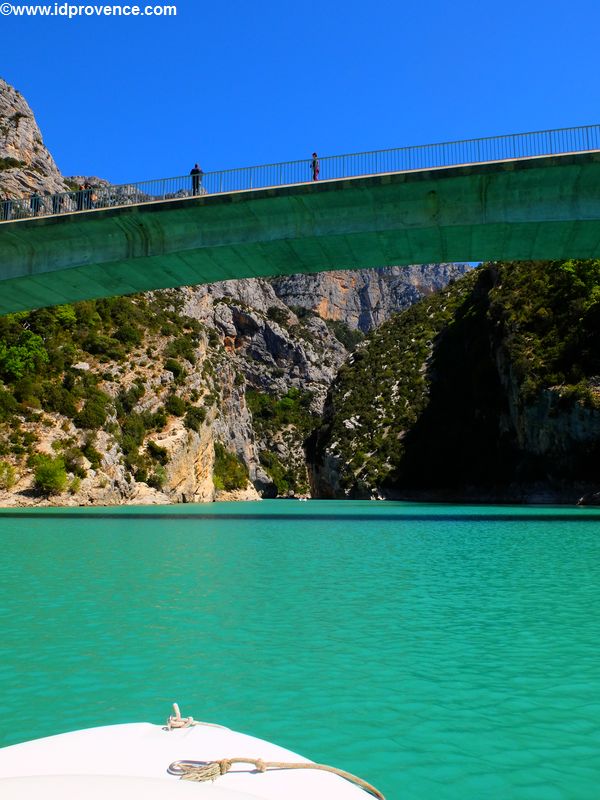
(437, 651)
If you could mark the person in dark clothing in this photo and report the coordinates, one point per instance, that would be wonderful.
(315, 167)
(196, 174)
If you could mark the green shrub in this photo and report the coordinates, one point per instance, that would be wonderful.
(171, 365)
(175, 405)
(157, 452)
(8, 405)
(156, 421)
(271, 413)
(57, 398)
(100, 345)
(230, 472)
(28, 389)
(182, 347)
(73, 460)
(192, 325)
(65, 316)
(194, 418)
(127, 399)
(347, 336)
(27, 356)
(158, 478)
(278, 315)
(128, 334)
(92, 455)
(50, 475)
(10, 163)
(303, 313)
(283, 479)
(214, 340)
(8, 475)
(133, 431)
(29, 437)
(93, 415)
(140, 470)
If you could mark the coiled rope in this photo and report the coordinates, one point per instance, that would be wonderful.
(210, 770)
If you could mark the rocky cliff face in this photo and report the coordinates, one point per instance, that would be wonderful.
(267, 351)
(25, 163)
(263, 362)
(364, 299)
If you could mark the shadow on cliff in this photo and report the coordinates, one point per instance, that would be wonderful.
(465, 440)
(462, 438)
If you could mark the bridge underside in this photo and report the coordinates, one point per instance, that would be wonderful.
(538, 208)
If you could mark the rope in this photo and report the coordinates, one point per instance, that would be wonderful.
(177, 721)
(210, 770)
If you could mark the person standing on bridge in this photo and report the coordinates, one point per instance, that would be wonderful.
(196, 174)
(315, 167)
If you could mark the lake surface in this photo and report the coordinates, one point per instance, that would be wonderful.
(437, 651)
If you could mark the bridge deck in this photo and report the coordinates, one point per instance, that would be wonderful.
(527, 208)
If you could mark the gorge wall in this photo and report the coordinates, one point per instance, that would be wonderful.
(488, 391)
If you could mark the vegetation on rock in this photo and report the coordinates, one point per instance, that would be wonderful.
(549, 315)
(70, 366)
(445, 396)
(230, 472)
(288, 419)
(50, 474)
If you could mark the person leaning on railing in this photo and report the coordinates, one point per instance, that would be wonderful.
(196, 174)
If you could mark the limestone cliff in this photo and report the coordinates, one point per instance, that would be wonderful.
(25, 163)
(365, 298)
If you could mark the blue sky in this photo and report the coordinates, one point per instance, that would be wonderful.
(236, 83)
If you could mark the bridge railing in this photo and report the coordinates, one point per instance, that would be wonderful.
(401, 159)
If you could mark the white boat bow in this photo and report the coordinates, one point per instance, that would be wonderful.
(132, 760)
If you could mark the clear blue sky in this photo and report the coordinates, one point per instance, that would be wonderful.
(235, 83)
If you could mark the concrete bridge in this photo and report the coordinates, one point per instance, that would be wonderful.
(531, 207)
